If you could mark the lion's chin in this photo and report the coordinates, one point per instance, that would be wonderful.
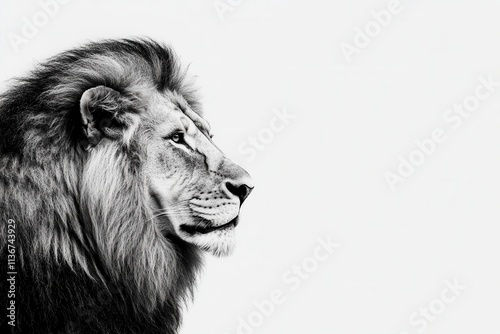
(219, 241)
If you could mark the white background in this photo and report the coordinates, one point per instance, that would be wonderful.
(323, 174)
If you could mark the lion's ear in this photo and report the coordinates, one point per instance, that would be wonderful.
(103, 114)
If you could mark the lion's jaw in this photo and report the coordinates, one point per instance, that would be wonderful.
(199, 220)
(196, 191)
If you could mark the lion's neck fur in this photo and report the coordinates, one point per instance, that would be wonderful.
(89, 243)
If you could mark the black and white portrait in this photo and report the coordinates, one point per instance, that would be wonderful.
(249, 167)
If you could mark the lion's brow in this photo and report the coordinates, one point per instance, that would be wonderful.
(198, 121)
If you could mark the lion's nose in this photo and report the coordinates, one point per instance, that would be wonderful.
(240, 189)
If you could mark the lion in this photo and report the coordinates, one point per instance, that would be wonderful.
(111, 190)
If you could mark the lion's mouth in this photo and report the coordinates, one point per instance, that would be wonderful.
(206, 228)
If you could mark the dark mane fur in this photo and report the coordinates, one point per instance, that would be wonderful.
(85, 265)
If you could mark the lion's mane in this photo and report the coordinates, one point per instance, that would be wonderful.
(89, 259)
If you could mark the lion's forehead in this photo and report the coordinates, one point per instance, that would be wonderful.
(172, 108)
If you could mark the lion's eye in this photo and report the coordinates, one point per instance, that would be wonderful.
(177, 137)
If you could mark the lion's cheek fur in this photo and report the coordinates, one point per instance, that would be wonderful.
(124, 222)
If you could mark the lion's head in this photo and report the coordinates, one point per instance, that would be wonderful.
(196, 192)
(110, 172)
